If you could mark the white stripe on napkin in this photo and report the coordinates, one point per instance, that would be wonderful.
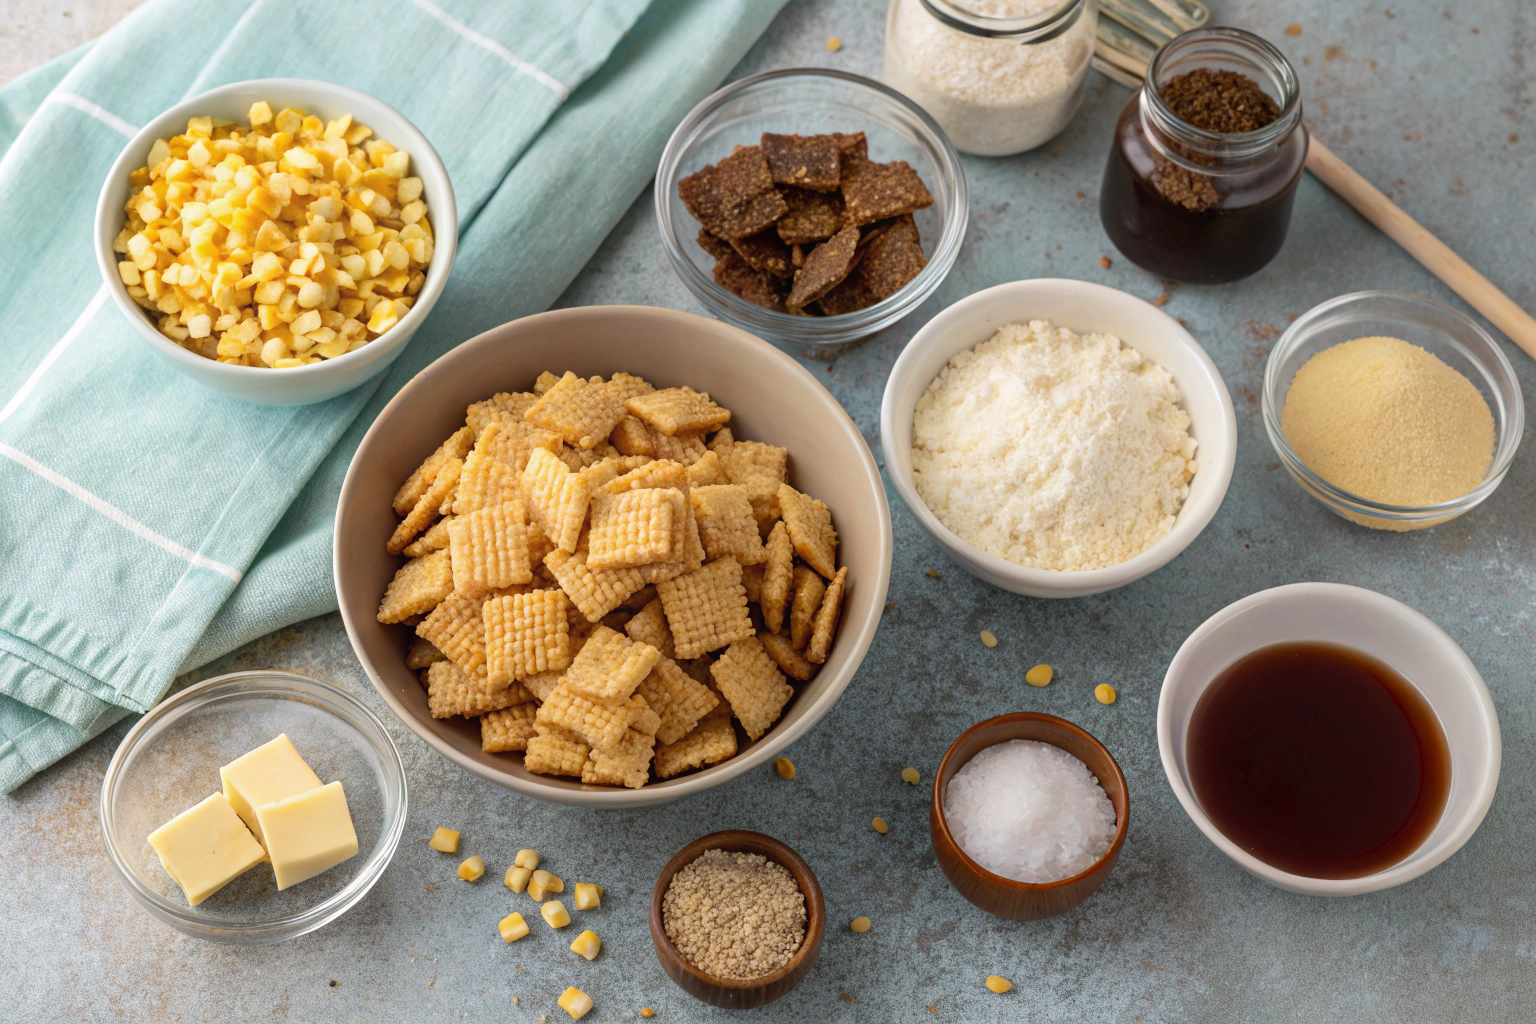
(545, 79)
(53, 354)
(101, 114)
(116, 514)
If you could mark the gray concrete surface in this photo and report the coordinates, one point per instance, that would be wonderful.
(1433, 104)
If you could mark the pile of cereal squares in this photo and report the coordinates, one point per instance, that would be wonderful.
(809, 224)
(604, 576)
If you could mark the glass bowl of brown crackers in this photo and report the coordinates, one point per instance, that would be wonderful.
(810, 206)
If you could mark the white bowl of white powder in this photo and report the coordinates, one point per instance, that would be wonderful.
(1059, 438)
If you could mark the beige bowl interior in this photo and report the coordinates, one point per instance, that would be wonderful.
(772, 398)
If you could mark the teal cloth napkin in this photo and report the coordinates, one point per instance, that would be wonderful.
(147, 525)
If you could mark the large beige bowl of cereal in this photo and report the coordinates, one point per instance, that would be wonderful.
(987, 495)
(771, 399)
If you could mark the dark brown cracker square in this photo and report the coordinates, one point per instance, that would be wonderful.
(854, 145)
(812, 216)
(719, 248)
(827, 264)
(812, 161)
(849, 295)
(734, 197)
(736, 276)
(873, 191)
(797, 256)
(765, 252)
(892, 259)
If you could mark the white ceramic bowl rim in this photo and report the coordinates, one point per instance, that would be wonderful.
(1193, 518)
(292, 686)
(1420, 860)
(109, 221)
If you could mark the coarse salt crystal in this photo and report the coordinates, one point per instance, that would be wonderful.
(1029, 811)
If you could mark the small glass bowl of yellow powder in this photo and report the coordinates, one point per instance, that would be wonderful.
(1394, 411)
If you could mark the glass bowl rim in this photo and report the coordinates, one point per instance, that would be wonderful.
(332, 698)
(786, 326)
(1510, 428)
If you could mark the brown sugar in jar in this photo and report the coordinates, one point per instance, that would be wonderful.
(1202, 173)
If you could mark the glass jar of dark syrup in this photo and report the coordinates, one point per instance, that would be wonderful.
(1202, 206)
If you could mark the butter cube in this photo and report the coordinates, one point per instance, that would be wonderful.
(205, 848)
(271, 772)
(308, 833)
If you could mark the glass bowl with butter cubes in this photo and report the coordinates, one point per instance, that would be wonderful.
(253, 807)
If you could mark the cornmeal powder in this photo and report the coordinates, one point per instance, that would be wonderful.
(1053, 450)
(1389, 422)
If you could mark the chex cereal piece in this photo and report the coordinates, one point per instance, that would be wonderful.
(753, 684)
(722, 440)
(708, 469)
(526, 634)
(486, 479)
(456, 447)
(545, 381)
(778, 573)
(514, 440)
(854, 146)
(581, 411)
(828, 263)
(706, 608)
(456, 628)
(629, 765)
(660, 473)
(746, 462)
(747, 283)
(790, 661)
(601, 474)
(824, 627)
(602, 726)
(421, 654)
(539, 545)
(891, 260)
(810, 529)
(482, 414)
(556, 499)
(649, 626)
(579, 459)
(452, 691)
(734, 197)
(683, 448)
(435, 539)
(427, 507)
(711, 741)
(752, 582)
(809, 590)
(627, 385)
(646, 720)
(609, 666)
(812, 216)
(544, 683)
(490, 549)
(765, 252)
(678, 410)
(726, 524)
(811, 161)
(630, 529)
(677, 698)
(595, 592)
(632, 437)
(555, 752)
(508, 729)
(419, 586)
(446, 508)
(874, 192)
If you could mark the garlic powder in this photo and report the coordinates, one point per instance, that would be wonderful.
(1053, 450)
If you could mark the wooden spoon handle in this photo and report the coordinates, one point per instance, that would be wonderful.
(1435, 255)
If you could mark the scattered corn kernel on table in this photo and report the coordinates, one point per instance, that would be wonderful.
(1430, 104)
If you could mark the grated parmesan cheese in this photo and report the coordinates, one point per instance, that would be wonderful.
(1053, 450)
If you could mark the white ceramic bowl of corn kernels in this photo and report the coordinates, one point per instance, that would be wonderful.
(1084, 308)
(296, 385)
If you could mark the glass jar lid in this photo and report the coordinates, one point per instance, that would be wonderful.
(1021, 21)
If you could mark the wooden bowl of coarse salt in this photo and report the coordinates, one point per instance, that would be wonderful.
(991, 819)
(723, 872)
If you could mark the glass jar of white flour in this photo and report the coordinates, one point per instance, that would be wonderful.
(1000, 76)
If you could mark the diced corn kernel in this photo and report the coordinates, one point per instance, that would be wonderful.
(987, 639)
(880, 826)
(997, 984)
(306, 322)
(517, 878)
(588, 896)
(555, 915)
(311, 295)
(551, 882)
(785, 767)
(472, 869)
(200, 326)
(271, 351)
(646, 1011)
(587, 945)
(1104, 693)
(512, 927)
(129, 272)
(409, 190)
(1040, 675)
(260, 114)
(859, 924)
(574, 1002)
(911, 775)
(445, 840)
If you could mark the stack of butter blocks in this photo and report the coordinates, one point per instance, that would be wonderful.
(273, 808)
(606, 578)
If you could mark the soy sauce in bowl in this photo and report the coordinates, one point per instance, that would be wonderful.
(1319, 760)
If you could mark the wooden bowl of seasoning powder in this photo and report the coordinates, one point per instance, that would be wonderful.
(1018, 794)
(743, 876)
(1394, 411)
